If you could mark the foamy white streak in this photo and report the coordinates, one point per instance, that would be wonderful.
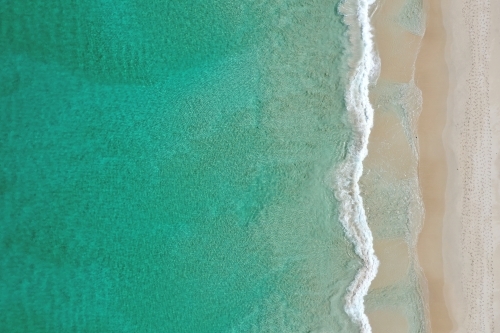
(352, 214)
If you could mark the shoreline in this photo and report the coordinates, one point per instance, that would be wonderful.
(431, 76)
(391, 170)
(356, 17)
(457, 169)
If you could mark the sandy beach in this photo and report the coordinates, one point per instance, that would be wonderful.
(458, 163)
(431, 77)
(471, 227)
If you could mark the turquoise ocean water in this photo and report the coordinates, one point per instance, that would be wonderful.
(167, 166)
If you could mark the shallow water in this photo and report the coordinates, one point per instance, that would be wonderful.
(166, 166)
(394, 210)
(171, 167)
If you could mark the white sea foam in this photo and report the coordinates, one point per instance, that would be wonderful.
(363, 69)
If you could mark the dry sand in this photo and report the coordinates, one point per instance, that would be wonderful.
(471, 228)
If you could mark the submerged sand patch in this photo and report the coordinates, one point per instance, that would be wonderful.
(389, 184)
(394, 262)
(388, 321)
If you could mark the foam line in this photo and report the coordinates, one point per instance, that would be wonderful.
(363, 69)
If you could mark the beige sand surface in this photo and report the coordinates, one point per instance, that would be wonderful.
(494, 82)
(431, 77)
(471, 229)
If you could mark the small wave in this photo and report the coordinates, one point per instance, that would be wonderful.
(364, 67)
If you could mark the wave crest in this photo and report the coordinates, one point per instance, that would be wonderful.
(364, 67)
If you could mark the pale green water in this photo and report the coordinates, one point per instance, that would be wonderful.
(164, 166)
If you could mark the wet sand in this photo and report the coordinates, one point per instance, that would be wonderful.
(405, 56)
(389, 152)
(431, 76)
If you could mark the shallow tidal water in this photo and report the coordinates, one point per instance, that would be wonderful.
(166, 167)
(172, 167)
